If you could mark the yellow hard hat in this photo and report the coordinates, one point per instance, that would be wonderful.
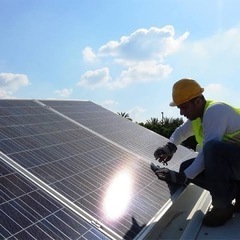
(184, 90)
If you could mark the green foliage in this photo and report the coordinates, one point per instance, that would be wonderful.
(124, 115)
(164, 127)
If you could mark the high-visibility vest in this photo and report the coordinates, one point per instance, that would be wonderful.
(198, 131)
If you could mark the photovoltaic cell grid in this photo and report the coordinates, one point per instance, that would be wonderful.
(27, 212)
(112, 126)
(80, 165)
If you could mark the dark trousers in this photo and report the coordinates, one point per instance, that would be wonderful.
(221, 176)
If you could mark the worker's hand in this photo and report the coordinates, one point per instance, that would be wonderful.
(165, 153)
(168, 175)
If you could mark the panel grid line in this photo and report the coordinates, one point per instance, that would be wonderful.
(56, 195)
(95, 133)
(79, 151)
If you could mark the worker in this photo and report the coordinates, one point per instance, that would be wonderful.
(216, 168)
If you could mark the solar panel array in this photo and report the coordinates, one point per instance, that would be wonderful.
(87, 170)
(27, 212)
(112, 126)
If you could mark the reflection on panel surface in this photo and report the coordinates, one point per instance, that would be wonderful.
(27, 212)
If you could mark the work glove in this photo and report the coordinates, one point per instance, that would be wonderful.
(165, 153)
(169, 176)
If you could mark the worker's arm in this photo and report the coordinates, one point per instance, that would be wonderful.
(182, 133)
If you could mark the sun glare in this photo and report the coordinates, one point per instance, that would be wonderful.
(118, 195)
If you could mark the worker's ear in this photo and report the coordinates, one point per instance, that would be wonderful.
(198, 101)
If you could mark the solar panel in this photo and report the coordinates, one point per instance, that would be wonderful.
(127, 134)
(28, 212)
(109, 185)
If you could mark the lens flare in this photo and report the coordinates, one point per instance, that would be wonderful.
(118, 195)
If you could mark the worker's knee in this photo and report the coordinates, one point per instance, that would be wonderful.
(184, 165)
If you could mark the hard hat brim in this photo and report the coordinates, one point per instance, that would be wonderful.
(172, 104)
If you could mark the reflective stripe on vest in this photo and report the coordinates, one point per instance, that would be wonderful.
(198, 131)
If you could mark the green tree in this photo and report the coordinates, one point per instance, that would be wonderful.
(169, 125)
(124, 115)
(153, 124)
(166, 126)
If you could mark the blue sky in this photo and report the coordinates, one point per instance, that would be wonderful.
(124, 55)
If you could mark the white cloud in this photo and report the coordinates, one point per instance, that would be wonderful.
(88, 54)
(227, 42)
(95, 79)
(214, 91)
(214, 88)
(10, 83)
(109, 104)
(215, 57)
(144, 44)
(142, 72)
(6, 94)
(137, 114)
(221, 92)
(139, 57)
(64, 93)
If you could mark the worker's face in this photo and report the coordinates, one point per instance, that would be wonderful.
(190, 109)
